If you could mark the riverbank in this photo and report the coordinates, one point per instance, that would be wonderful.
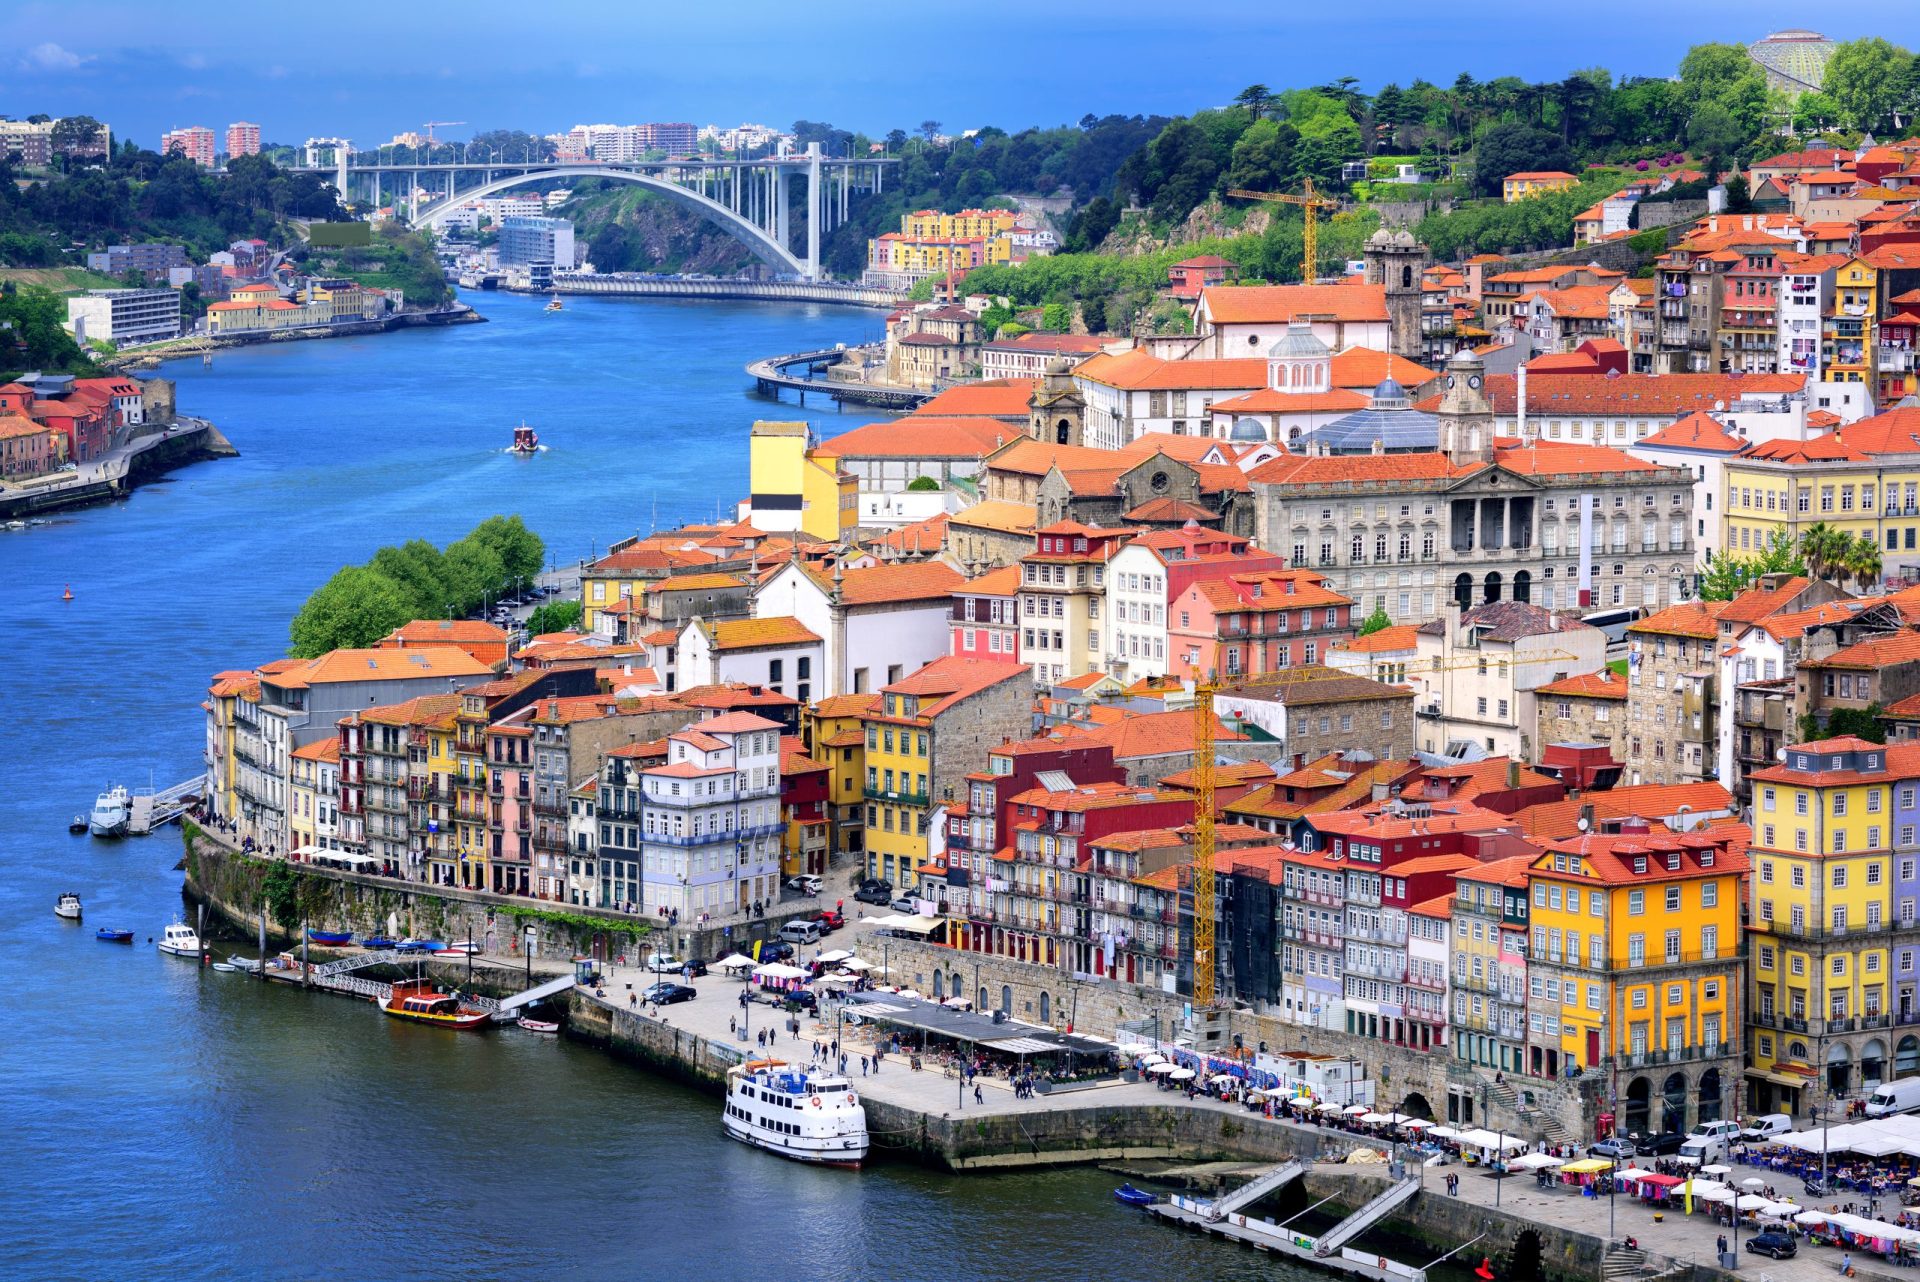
(151, 356)
(116, 473)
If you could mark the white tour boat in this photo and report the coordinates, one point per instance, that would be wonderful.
(68, 906)
(112, 811)
(807, 1117)
(179, 940)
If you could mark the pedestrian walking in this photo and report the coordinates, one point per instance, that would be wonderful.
(976, 1094)
(1846, 1264)
(1721, 1244)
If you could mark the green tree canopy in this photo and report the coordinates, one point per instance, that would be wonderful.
(1727, 574)
(554, 616)
(1514, 148)
(1866, 79)
(1376, 622)
(352, 610)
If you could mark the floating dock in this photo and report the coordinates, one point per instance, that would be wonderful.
(1224, 1217)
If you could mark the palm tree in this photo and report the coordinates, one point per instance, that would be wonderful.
(1863, 563)
(1824, 549)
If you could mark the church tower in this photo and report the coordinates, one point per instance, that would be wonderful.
(1466, 417)
(1056, 412)
(1395, 259)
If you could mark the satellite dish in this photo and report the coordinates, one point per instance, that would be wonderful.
(1581, 823)
(1780, 754)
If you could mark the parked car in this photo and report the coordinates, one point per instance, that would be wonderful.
(775, 951)
(903, 904)
(1766, 1127)
(1664, 1144)
(801, 932)
(806, 883)
(667, 993)
(1779, 1245)
(875, 893)
(1699, 1150)
(1722, 1129)
(1618, 1148)
(801, 997)
(695, 966)
(830, 919)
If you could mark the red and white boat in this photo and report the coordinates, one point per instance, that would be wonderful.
(525, 440)
(804, 1116)
(418, 1000)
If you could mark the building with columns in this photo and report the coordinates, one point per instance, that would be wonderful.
(1474, 519)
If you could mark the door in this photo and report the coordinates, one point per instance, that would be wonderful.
(1593, 1048)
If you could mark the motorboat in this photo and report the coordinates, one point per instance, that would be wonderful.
(330, 937)
(539, 1025)
(525, 440)
(79, 824)
(420, 946)
(460, 949)
(68, 906)
(553, 304)
(179, 941)
(377, 943)
(106, 936)
(112, 812)
(225, 968)
(809, 1117)
(245, 965)
(1132, 1196)
(420, 1001)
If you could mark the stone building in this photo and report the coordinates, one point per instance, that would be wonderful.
(1672, 704)
(1395, 260)
(1324, 711)
(1590, 707)
(1476, 519)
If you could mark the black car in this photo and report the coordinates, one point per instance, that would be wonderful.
(1779, 1245)
(694, 966)
(801, 998)
(1664, 1144)
(874, 893)
(775, 951)
(666, 994)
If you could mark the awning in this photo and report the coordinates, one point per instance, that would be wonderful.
(1778, 1079)
(1021, 1046)
(1587, 1166)
(915, 925)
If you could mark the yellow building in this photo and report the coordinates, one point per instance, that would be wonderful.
(1525, 186)
(1819, 932)
(1635, 967)
(793, 488)
(966, 223)
(1863, 478)
(313, 796)
(616, 577)
(834, 731)
(931, 242)
(468, 781)
(1846, 335)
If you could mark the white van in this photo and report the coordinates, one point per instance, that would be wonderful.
(1766, 1126)
(1723, 1129)
(1902, 1096)
(1701, 1150)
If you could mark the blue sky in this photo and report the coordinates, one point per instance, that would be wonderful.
(367, 70)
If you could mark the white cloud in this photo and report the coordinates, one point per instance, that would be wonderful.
(51, 57)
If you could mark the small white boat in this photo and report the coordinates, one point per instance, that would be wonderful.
(68, 906)
(539, 1025)
(179, 940)
(112, 811)
(225, 968)
(461, 949)
(245, 965)
(553, 304)
(807, 1117)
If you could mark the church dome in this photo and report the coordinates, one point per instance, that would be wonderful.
(1389, 395)
(1298, 343)
(1247, 431)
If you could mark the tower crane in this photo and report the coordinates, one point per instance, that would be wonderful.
(432, 124)
(1205, 963)
(1310, 206)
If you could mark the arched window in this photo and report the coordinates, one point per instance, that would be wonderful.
(1006, 998)
(983, 999)
(1046, 1008)
(1063, 432)
(1463, 591)
(1493, 585)
(1522, 586)
(1406, 277)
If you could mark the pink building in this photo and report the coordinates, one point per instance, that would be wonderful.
(983, 624)
(243, 139)
(1260, 622)
(1185, 279)
(195, 142)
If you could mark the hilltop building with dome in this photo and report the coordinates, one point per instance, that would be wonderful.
(1794, 61)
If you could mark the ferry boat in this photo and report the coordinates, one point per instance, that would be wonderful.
(420, 1001)
(112, 812)
(68, 906)
(179, 940)
(809, 1118)
(525, 440)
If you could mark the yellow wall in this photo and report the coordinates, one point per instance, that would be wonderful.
(604, 588)
(898, 765)
(780, 464)
(1760, 497)
(1855, 305)
(1522, 189)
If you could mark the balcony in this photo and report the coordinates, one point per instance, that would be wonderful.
(1675, 1055)
(897, 798)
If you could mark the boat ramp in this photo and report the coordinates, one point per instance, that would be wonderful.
(1226, 1217)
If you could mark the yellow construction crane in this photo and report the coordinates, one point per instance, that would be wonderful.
(1310, 206)
(1205, 964)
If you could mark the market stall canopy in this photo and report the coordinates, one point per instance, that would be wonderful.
(1443, 1133)
(1716, 1169)
(734, 961)
(776, 970)
(1180, 1075)
(1534, 1162)
(1161, 1066)
(1635, 1173)
(1748, 1202)
(833, 955)
(1808, 1219)
(1585, 1166)
(856, 964)
(1478, 1138)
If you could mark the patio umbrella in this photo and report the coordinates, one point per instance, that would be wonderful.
(1180, 1075)
(1160, 1067)
(1373, 1119)
(1415, 1124)
(1152, 1057)
(1326, 1106)
(1753, 1183)
(1354, 1110)
(1748, 1202)
(1716, 1169)
(854, 963)
(1807, 1219)
(1442, 1133)
(734, 961)
(910, 994)
(833, 981)
(837, 954)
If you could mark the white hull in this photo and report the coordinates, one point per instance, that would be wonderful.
(823, 1151)
(179, 941)
(178, 950)
(71, 914)
(108, 825)
(818, 1120)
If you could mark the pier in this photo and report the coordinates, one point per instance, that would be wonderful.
(150, 810)
(774, 375)
(1225, 1217)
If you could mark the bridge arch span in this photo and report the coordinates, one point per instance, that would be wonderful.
(767, 249)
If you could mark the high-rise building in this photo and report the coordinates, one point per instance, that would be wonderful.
(531, 241)
(243, 139)
(195, 142)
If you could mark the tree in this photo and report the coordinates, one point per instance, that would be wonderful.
(923, 484)
(1863, 723)
(1865, 78)
(1825, 550)
(1513, 148)
(1739, 196)
(1255, 99)
(71, 134)
(1861, 562)
(1263, 159)
(929, 130)
(554, 616)
(352, 610)
(1714, 136)
(520, 550)
(419, 571)
(1723, 74)
(1728, 574)
(1376, 621)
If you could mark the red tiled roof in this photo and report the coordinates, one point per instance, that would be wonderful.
(1278, 304)
(1697, 431)
(950, 679)
(1688, 619)
(921, 436)
(1594, 685)
(1875, 652)
(996, 398)
(1400, 636)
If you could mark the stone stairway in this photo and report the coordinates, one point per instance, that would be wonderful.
(1620, 1262)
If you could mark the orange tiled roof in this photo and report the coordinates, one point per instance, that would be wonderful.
(1755, 604)
(1875, 652)
(1593, 685)
(1400, 636)
(951, 679)
(1687, 619)
(921, 436)
(997, 398)
(1697, 431)
(753, 634)
(378, 665)
(899, 584)
(1278, 304)
(1004, 581)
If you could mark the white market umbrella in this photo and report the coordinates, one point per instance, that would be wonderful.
(1748, 1202)
(833, 981)
(1534, 1162)
(1160, 1067)
(911, 995)
(1374, 1119)
(1180, 1075)
(1415, 1124)
(1152, 1057)
(1443, 1133)
(1754, 1182)
(1354, 1110)
(734, 961)
(855, 963)
(1717, 1169)
(775, 970)
(834, 955)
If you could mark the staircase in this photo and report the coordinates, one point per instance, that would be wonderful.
(1620, 1262)
(1253, 1190)
(1367, 1216)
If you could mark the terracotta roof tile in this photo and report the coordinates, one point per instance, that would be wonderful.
(1697, 619)
(1697, 431)
(1278, 304)
(921, 436)
(1591, 685)
(753, 634)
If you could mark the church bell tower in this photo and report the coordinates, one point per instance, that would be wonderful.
(1398, 261)
(1466, 416)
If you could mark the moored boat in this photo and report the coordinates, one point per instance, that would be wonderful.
(106, 936)
(112, 812)
(539, 1025)
(68, 906)
(330, 936)
(808, 1117)
(178, 940)
(420, 1001)
(421, 946)
(245, 965)
(377, 943)
(460, 949)
(225, 968)
(1132, 1196)
(78, 825)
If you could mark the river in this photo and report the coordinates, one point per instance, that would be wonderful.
(162, 1122)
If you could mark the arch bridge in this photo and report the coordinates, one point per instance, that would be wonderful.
(748, 199)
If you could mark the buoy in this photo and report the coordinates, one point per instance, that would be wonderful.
(68, 594)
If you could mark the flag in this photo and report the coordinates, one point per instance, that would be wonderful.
(1687, 1190)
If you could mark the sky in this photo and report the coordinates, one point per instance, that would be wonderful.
(367, 70)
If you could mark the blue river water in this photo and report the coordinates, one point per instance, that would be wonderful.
(162, 1122)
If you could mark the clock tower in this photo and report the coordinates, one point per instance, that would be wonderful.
(1466, 417)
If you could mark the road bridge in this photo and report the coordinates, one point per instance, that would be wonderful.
(784, 291)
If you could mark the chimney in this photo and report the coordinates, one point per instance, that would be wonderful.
(1586, 817)
(1513, 773)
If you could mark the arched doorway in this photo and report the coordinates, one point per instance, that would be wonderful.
(1046, 1008)
(1524, 1264)
(1839, 1069)
(1463, 591)
(983, 999)
(1873, 1064)
(1673, 1099)
(1710, 1102)
(1063, 432)
(939, 986)
(1415, 1105)
(954, 986)
(1493, 585)
(1522, 585)
(1006, 999)
(1638, 1110)
(1906, 1056)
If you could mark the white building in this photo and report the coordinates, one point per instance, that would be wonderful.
(537, 240)
(123, 316)
(583, 843)
(1701, 445)
(876, 624)
(711, 819)
(782, 654)
(1475, 673)
(1245, 320)
(1144, 577)
(1802, 297)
